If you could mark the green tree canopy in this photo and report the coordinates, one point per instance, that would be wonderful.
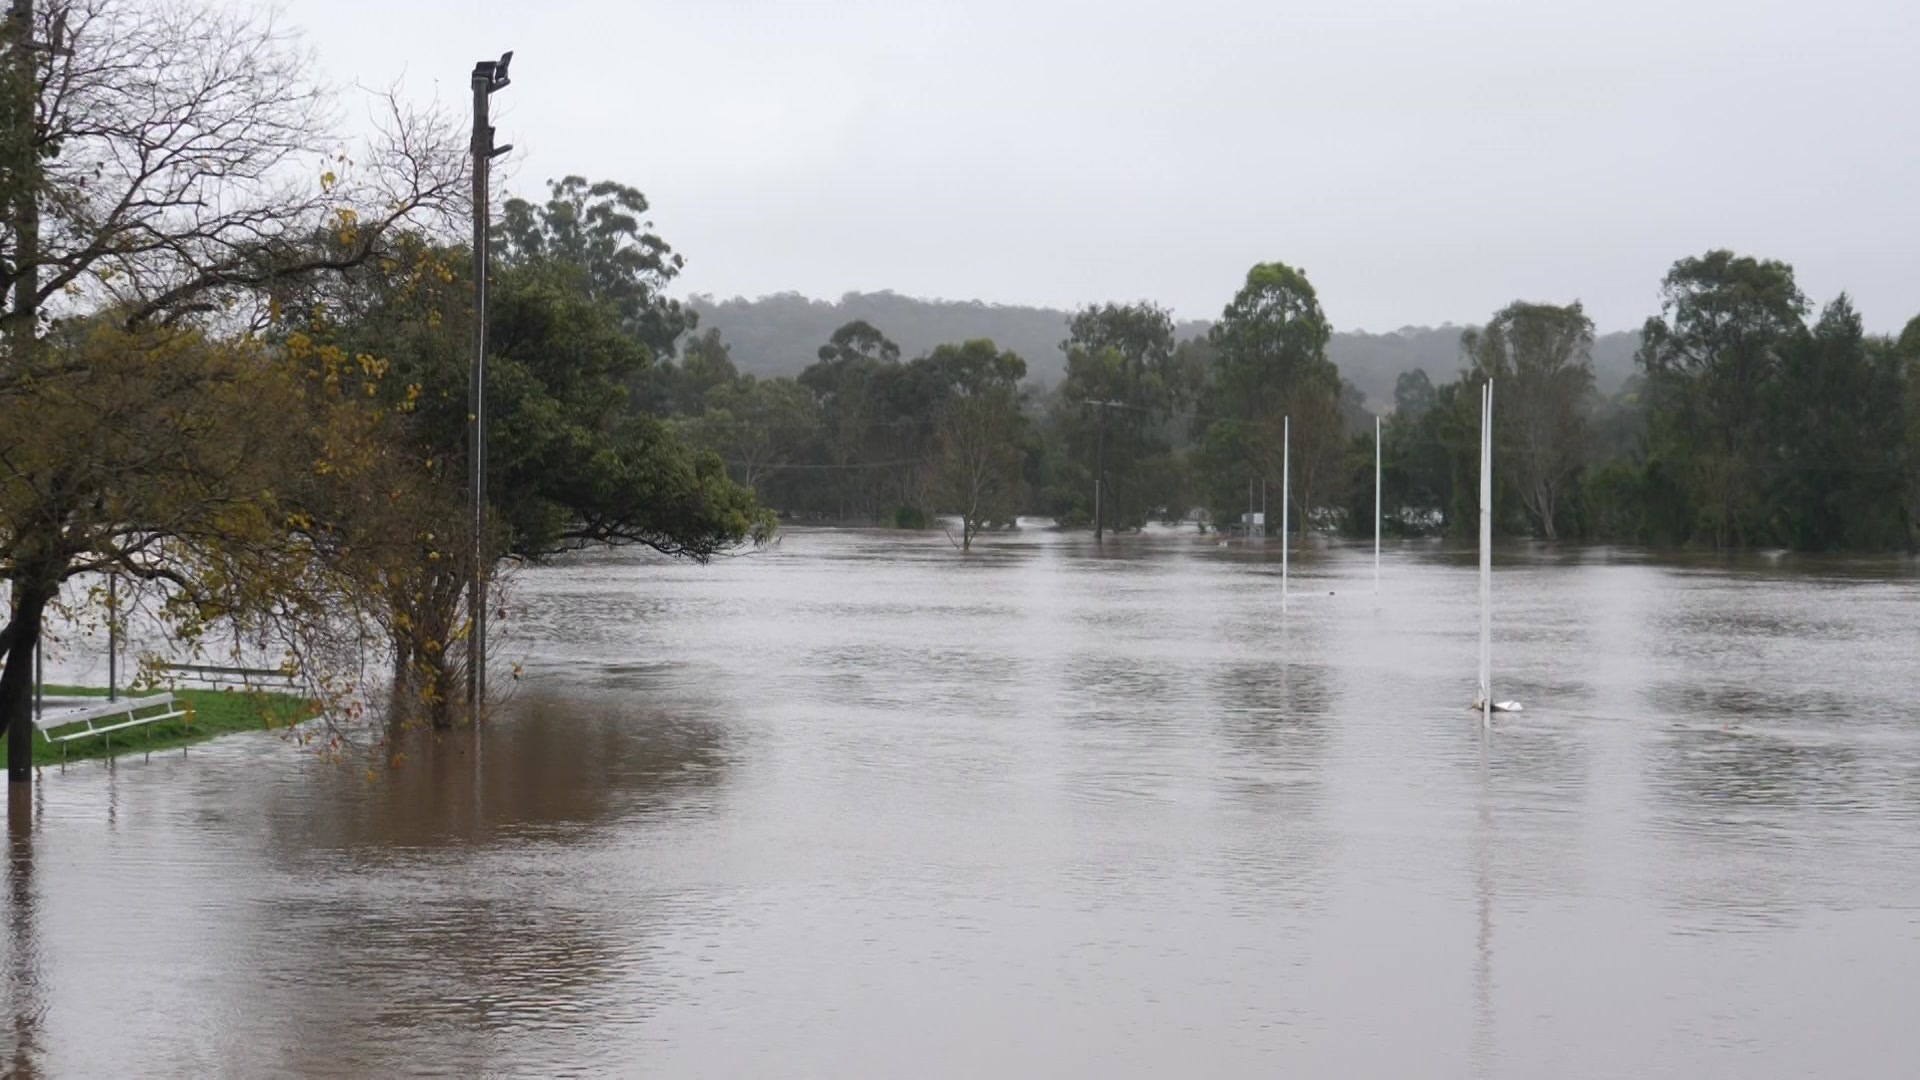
(980, 446)
(1842, 457)
(600, 230)
(1540, 359)
(1710, 357)
(1115, 405)
(1274, 394)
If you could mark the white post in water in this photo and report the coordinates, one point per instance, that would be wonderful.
(1376, 506)
(1286, 500)
(1486, 554)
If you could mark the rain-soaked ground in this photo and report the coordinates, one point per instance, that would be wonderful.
(862, 807)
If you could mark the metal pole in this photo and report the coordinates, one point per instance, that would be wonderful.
(39, 680)
(113, 637)
(1100, 479)
(1486, 554)
(1376, 505)
(477, 401)
(1286, 501)
(488, 76)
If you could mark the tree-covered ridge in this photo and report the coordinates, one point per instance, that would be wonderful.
(1740, 419)
(776, 335)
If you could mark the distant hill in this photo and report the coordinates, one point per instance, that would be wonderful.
(780, 334)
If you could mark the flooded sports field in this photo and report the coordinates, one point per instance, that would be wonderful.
(859, 806)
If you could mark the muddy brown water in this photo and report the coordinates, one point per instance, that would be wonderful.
(861, 807)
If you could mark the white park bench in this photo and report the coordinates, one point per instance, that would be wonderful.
(223, 677)
(105, 717)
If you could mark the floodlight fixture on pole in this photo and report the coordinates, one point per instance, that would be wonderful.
(488, 76)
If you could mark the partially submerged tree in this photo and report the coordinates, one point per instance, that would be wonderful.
(570, 464)
(849, 383)
(1709, 358)
(1122, 386)
(1841, 460)
(1275, 395)
(1540, 357)
(980, 455)
(160, 165)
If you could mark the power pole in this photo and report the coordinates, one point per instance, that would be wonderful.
(488, 76)
(1100, 470)
(1100, 480)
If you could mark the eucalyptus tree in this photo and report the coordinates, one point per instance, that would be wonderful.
(1122, 388)
(980, 452)
(1710, 358)
(1541, 359)
(1275, 395)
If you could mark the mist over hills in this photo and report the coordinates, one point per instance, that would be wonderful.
(779, 335)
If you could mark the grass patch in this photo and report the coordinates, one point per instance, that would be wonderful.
(215, 713)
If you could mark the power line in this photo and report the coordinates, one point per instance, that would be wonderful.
(849, 465)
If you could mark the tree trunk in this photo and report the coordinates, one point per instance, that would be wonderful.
(440, 704)
(1543, 503)
(16, 682)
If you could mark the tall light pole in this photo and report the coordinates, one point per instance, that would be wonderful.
(488, 76)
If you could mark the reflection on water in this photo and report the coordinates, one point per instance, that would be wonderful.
(24, 1000)
(1481, 1057)
(861, 806)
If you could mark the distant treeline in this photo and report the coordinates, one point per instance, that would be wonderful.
(1735, 418)
(778, 335)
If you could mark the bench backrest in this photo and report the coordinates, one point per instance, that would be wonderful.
(59, 718)
(217, 676)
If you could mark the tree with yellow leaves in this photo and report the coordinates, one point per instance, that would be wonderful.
(146, 152)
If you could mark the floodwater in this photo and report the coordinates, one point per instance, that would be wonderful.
(862, 807)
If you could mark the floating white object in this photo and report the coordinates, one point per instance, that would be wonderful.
(1480, 706)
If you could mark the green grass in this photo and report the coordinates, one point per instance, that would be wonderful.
(215, 713)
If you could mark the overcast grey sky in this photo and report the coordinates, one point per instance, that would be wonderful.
(1423, 161)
